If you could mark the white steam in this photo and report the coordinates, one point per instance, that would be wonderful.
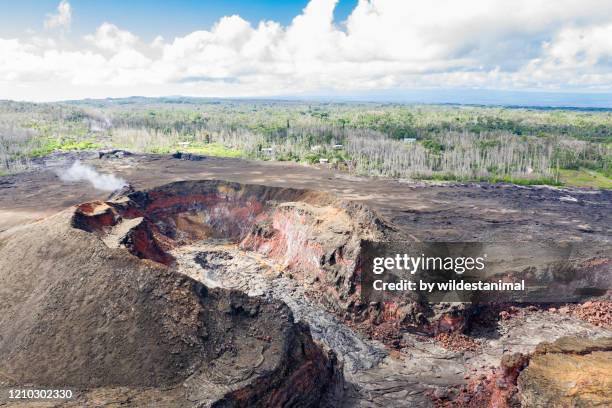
(81, 172)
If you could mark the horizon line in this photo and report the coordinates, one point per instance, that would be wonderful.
(605, 105)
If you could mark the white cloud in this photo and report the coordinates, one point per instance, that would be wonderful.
(62, 18)
(109, 37)
(385, 44)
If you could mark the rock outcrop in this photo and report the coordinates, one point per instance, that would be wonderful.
(570, 372)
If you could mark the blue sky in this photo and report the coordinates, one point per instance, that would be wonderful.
(526, 52)
(148, 19)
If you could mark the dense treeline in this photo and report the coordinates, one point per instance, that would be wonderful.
(446, 142)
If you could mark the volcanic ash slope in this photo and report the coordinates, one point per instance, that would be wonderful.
(77, 314)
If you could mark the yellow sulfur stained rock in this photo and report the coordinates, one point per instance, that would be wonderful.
(571, 372)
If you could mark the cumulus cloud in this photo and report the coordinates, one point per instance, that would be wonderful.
(383, 44)
(109, 37)
(62, 18)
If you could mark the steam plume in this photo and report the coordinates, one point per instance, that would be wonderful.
(81, 172)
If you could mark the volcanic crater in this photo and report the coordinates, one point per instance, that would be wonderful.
(83, 310)
(226, 294)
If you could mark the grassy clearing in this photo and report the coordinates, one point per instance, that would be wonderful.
(539, 181)
(210, 149)
(160, 142)
(214, 149)
(585, 178)
(63, 146)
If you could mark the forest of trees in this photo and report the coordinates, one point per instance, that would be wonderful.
(401, 141)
